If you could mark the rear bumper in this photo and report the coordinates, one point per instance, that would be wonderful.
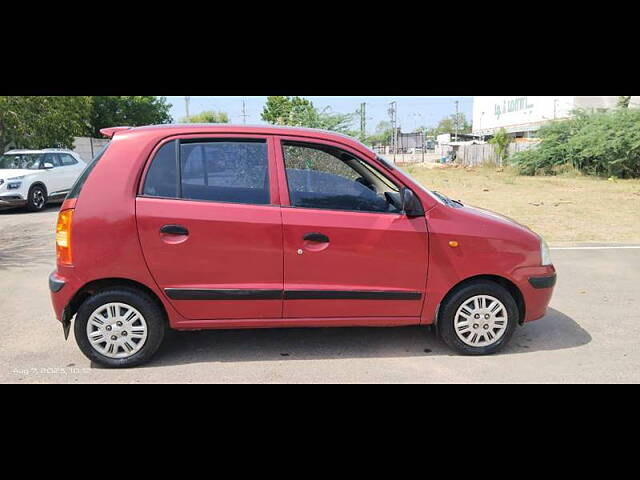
(62, 291)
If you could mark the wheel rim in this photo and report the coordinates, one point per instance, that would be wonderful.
(481, 321)
(117, 330)
(38, 198)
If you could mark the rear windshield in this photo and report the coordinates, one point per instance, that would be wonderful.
(75, 190)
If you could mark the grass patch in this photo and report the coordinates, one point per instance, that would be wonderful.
(565, 208)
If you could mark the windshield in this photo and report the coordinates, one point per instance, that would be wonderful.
(21, 161)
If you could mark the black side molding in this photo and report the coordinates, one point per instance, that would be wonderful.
(349, 295)
(204, 294)
(189, 294)
(543, 282)
(55, 285)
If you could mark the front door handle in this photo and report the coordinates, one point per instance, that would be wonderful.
(174, 230)
(316, 237)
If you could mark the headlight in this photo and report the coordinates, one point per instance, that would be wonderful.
(545, 254)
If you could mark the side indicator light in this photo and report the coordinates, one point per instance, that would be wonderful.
(63, 237)
(453, 244)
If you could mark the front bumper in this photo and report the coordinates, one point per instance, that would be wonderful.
(545, 281)
(536, 285)
(12, 201)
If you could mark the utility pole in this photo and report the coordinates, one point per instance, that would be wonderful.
(555, 103)
(393, 114)
(363, 121)
(457, 119)
(186, 104)
(244, 112)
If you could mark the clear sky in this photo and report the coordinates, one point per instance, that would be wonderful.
(412, 111)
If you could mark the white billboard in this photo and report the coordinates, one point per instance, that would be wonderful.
(490, 113)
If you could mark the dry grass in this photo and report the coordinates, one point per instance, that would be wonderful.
(564, 209)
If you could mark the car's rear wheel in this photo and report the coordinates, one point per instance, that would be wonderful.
(120, 327)
(37, 198)
(478, 318)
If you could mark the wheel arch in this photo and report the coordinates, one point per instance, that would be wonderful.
(511, 287)
(39, 183)
(96, 285)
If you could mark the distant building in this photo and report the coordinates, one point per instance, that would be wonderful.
(523, 116)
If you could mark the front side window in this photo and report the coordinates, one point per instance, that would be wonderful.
(329, 178)
(21, 161)
(232, 171)
(53, 159)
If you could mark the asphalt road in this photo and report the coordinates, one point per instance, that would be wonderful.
(589, 335)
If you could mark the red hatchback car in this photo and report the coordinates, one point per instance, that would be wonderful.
(223, 227)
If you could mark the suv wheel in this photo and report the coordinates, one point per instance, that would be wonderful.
(120, 327)
(478, 319)
(37, 198)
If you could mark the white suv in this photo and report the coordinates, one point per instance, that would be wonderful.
(31, 178)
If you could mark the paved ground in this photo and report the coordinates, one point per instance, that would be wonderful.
(590, 334)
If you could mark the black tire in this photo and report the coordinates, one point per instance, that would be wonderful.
(153, 314)
(449, 308)
(37, 198)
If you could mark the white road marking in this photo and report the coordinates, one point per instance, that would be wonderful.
(596, 248)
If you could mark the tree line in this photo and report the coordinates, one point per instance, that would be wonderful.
(52, 121)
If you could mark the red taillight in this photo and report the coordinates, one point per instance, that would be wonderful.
(63, 237)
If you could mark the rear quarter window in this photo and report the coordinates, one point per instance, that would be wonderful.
(77, 187)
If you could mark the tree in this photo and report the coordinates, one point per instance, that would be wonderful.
(448, 124)
(287, 110)
(112, 111)
(604, 143)
(300, 112)
(623, 102)
(42, 121)
(382, 134)
(208, 116)
(501, 140)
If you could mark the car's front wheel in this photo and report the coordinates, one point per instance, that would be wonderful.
(120, 327)
(37, 198)
(479, 318)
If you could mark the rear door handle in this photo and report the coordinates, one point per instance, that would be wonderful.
(174, 230)
(316, 237)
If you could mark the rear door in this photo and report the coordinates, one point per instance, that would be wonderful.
(211, 229)
(349, 251)
(54, 178)
(70, 169)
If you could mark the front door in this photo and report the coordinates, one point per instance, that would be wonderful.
(349, 250)
(210, 229)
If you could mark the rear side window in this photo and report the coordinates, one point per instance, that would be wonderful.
(215, 171)
(67, 160)
(77, 187)
(162, 178)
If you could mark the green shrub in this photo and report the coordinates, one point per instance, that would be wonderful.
(599, 143)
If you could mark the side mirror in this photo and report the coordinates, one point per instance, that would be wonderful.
(411, 204)
(48, 166)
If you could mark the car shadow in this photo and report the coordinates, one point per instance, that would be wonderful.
(556, 331)
(24, 211)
